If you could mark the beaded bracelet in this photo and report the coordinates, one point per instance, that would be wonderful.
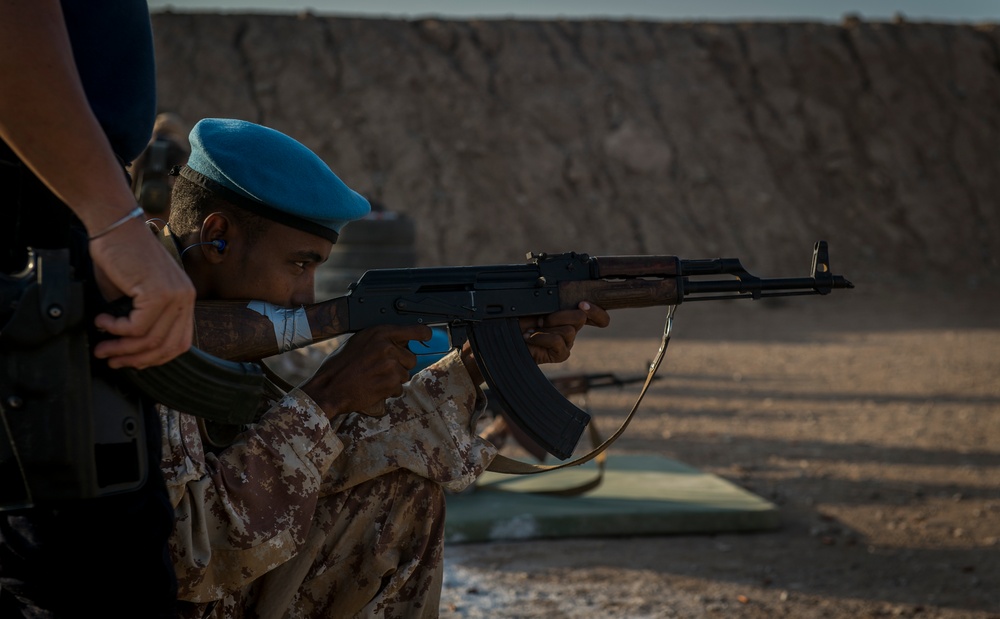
(136, 212)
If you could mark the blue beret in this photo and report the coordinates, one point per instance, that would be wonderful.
(272, 175)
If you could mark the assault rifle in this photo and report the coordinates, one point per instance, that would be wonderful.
(482, 304)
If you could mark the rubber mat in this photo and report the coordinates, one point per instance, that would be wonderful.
(639, 495)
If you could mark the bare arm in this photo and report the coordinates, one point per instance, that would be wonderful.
(50, 125)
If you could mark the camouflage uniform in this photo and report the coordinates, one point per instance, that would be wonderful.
(301, 517)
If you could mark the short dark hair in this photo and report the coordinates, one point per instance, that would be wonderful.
(190, 204)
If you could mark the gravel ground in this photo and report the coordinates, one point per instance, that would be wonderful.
(871, 418)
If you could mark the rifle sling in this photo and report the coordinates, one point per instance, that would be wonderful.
(503, 464)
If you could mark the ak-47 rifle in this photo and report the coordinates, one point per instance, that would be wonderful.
(482, 304)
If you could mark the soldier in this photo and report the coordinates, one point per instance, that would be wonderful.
(332, 504)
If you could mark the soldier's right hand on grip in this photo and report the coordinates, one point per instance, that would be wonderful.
(369, 368)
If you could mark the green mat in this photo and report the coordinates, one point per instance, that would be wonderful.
(640, 495)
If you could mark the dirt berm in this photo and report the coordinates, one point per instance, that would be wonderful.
(700, 140)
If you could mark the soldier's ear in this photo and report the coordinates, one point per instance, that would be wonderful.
(216, 237)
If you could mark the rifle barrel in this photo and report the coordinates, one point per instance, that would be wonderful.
(754, 287)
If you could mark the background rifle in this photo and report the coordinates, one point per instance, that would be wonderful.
(482, 304)
(574, 384)
(568, 385)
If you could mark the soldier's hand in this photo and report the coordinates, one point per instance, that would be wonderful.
(132, 262)
(373, 365)
(550, 338)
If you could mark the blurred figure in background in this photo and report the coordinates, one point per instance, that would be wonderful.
(151, 180)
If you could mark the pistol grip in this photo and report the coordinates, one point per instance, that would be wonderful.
(522, 389)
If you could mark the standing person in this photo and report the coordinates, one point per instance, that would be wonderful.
(77, 100)
(332, 503)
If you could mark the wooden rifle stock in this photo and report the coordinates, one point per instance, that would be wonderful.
(233, 330)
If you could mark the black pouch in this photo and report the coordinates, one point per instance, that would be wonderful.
(65, 432)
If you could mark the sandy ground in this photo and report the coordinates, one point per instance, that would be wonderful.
(870, 417)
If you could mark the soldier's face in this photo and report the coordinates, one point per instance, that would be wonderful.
(280, 267)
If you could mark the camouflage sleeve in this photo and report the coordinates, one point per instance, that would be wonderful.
(247, 508)
(429, 430)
